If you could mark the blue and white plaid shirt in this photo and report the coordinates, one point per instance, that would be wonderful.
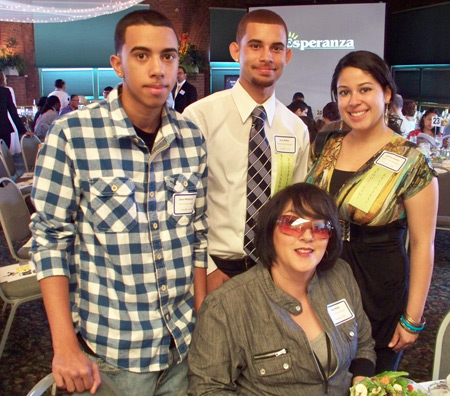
(126, 227)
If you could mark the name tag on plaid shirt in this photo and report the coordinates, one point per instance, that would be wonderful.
(183, 204)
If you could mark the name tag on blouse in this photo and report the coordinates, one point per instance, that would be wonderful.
(183, 204)
(391, 161)
(340, 312)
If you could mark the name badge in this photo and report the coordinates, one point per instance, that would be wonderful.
(340, 312)
(183, 204)
(182, 92)
(285, 144)
(391, 161)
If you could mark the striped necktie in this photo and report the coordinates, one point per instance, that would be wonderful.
(258, 177)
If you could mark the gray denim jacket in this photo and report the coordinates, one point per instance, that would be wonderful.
(246, 343)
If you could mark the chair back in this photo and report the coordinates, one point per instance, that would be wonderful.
(444, 194)
(9, 160)
(30, 148)
(14, 216)
(4, 172)
(107, 388)
(441, 364)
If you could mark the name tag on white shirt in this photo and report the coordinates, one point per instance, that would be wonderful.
(391, 161)
(183, 204)
(340, 312)
(285, 144)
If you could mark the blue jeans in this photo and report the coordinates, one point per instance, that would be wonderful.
(169, 382)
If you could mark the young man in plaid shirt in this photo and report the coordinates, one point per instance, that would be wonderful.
(120, 225)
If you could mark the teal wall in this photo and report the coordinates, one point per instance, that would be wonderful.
(87, 43)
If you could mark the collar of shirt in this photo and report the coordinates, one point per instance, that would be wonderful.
(181, 83)
(245, 103)
(123, 127)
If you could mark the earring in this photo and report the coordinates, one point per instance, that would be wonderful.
(119, 74)
(386, 114)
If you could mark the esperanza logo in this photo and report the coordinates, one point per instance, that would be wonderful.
(302, 45)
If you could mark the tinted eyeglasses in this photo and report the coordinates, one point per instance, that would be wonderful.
(296, 226)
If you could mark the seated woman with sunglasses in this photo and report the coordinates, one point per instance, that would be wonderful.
(293, 324)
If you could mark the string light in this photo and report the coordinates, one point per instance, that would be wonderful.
(35, 11)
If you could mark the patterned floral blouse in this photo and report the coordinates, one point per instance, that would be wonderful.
(374, 195)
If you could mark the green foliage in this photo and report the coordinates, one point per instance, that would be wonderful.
(9, 57)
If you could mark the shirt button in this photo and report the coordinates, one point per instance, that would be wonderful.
(163, 287)
(298, 308)
(185, 183)
(262, 371)
(286, 366)
(152, 194)
(114, 188)
(158, 257)
(352, 334)
(155, 226)
(168, 317)
(136, 140)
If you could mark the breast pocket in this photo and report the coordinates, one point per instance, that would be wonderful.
(273, 367)
(181, 196)
(112, 204)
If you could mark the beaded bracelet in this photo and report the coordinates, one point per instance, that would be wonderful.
(408, 327)
(412, 322)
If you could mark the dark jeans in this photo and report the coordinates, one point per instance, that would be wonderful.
(387, 360)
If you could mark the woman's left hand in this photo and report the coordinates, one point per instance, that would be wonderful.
(402, 339)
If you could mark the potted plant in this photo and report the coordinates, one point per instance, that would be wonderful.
(11, 62)
(191, 57)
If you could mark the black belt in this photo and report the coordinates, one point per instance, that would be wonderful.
(373, 234)
(233, 267)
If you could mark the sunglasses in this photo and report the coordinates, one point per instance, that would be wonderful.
(296, 226)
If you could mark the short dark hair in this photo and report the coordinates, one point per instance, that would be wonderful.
(298, 96)
(307, 200)
(72, 96)
(59, 83)
(259, 16)
(331, 111)
(183, 68)
(108, 88)
(370, 63)
(141, 17)
(422, 120)
(409, 108)
(297, 104)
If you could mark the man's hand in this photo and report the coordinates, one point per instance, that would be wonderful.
(215, 279)
(74, 371)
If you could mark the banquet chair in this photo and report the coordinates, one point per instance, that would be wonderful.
(107, 388)
(24, 187)
(15, 220)
(11, 166)
(30, 148)
(443, 215)
(441, 363)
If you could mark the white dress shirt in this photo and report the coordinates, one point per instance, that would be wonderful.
(225, 120)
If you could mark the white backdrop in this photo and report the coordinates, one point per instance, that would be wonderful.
(320, 35)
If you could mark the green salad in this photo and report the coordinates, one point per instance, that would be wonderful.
(389, 383)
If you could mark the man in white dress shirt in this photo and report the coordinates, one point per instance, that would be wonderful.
(225, 120)
(60, 92)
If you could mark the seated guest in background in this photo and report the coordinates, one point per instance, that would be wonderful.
(106, 91)
(40, 105)
(49, 113)
(298, 107)
(8, 108)
(383, 187)
(396, 116)
(312, 128)
(183, 93)
(294, 324)
(409, 111)
(73, 105)
(330, 113)
(60, 92)
(300, 96)
(425, 124)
